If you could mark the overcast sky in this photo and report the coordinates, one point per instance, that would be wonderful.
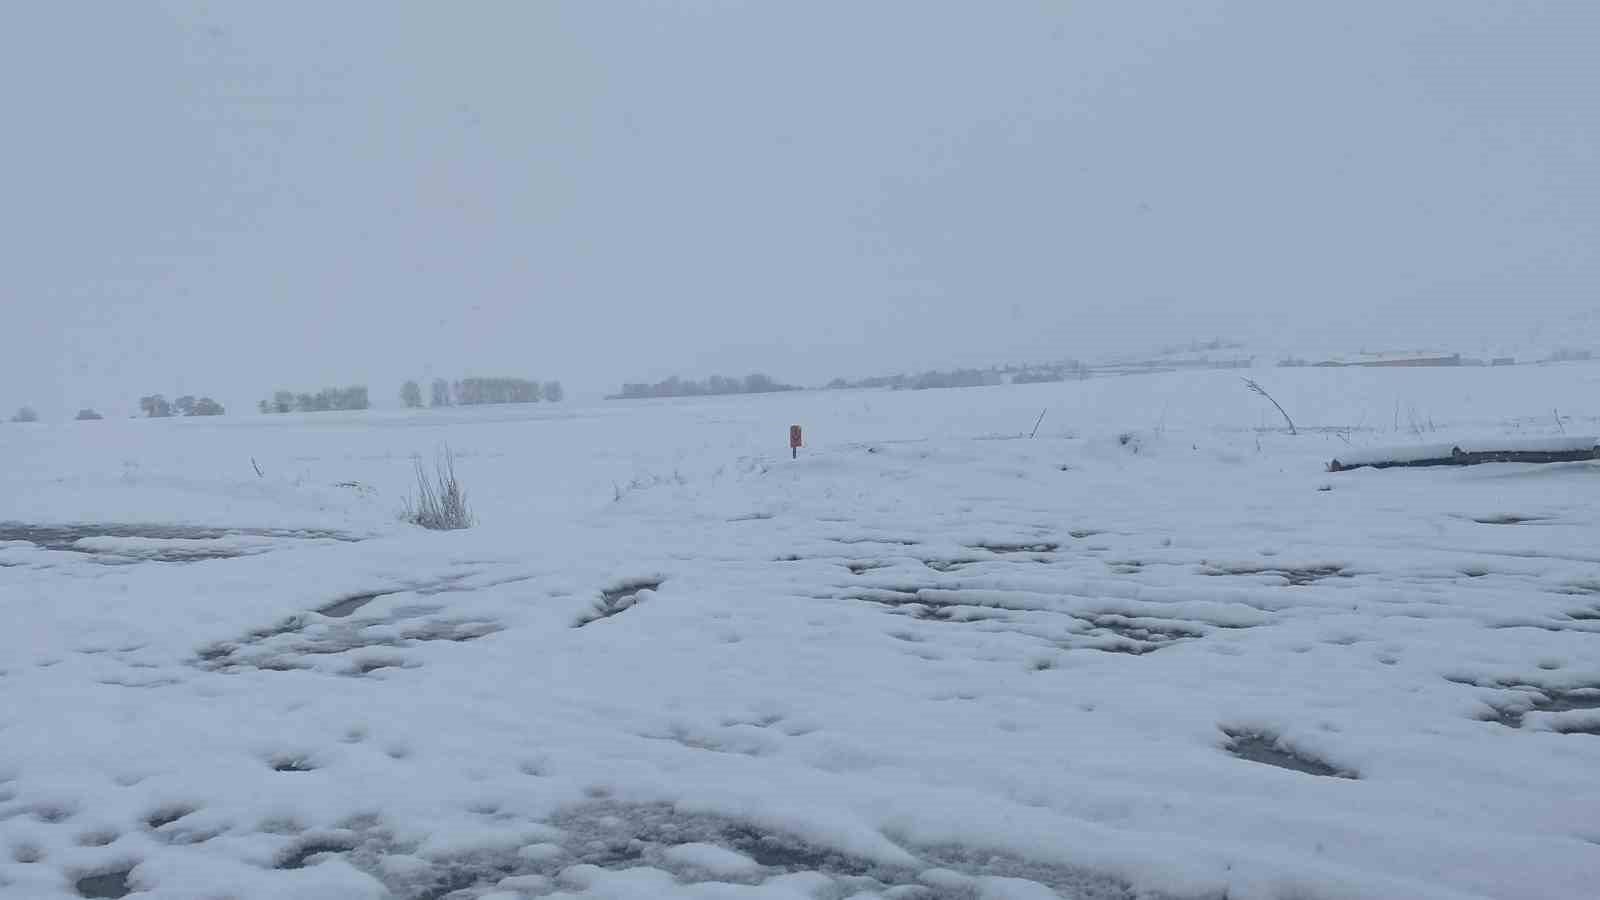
(224, 198)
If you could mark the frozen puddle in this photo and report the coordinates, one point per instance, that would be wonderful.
(125, 543)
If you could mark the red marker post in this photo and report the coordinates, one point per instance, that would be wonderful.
(795, 442)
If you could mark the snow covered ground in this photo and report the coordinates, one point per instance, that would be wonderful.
(1156, 651)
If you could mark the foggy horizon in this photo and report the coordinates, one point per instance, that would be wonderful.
(228, 200)
(1061, 449)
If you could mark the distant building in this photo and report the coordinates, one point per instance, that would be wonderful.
(1503, 361)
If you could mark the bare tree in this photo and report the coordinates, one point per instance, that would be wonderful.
(26, 414)
(411, 395)
(88, 415)
(477, 391)
(754, 383)
(155, 406)
(346, 398)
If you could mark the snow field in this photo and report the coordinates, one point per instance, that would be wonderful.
(1154, 652)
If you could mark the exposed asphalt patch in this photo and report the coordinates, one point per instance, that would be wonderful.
(67, 537)
(289, 645)
(305, 849)
(899, 542)
(373, 664)
(948, 565)
(63, 537)
(347, 606)
(342, 608)
(1140, 635)
(1522, 699)
(1001, 547)
(1293, 576)
(105, 884)
(292, 764)
(1269, 749)
(1066, 881)
(1111, 632)
(618, 598)
(1579, 623)
(166, 815)
(612, 835)
(27, 854)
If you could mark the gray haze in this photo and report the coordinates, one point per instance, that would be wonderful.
(229, 197)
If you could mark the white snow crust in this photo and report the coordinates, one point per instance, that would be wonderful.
(1154, 652)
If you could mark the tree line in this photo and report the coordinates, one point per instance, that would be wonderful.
(463, 392)
(153, 406)
(716, 385)
(325, 400)
(1072, 369)
(923, 382)
(479, 391)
